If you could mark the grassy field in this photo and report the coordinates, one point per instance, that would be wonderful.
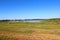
(30, 30)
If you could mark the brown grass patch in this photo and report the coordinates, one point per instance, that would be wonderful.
(33, 36)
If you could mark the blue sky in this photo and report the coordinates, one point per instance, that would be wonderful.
(27, 9)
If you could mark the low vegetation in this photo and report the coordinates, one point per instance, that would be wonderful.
(49, 29)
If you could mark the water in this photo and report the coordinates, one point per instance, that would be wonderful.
(28, 21)
(33, 21)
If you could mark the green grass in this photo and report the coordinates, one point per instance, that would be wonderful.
(28, 28)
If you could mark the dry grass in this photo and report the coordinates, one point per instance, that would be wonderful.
(29, 31)
(33, 36)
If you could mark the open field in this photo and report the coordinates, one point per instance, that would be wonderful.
(29, 31)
